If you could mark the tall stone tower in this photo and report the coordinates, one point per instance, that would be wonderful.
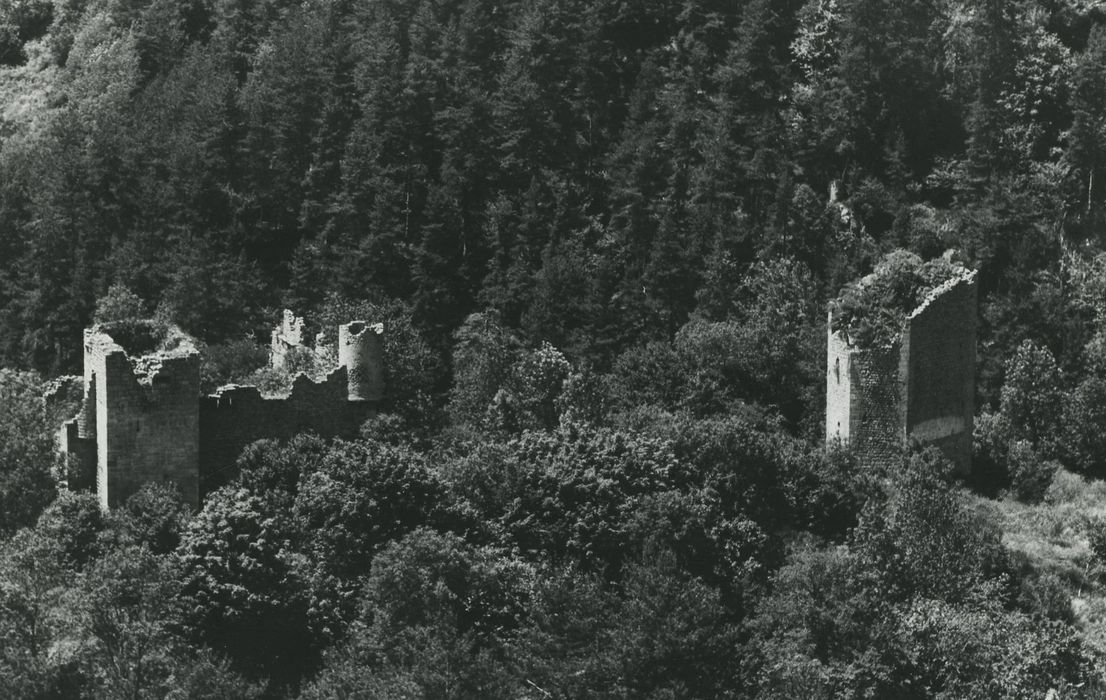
(919, 388)
(139, 420)
(361, 352)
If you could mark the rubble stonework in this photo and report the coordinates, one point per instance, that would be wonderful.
(286, 337)
(920, 388)
(142, 417)
(139, 420)
(289, 346)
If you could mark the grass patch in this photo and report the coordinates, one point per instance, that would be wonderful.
(1053, 536)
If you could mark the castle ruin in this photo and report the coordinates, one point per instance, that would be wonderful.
(920, 388)
(143, 418)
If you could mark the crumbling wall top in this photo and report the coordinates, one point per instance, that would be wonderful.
(963, 276)
(62, 397)
(148, 345)
(356, 329)
(291, 327)
(141, 339)
(232, 393)
(875, 311)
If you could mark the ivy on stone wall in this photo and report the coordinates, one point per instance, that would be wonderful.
(873, 312)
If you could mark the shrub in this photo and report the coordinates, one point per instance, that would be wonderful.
(28, 457)
(990, 453)
(1030, 475)
(827, 490)
(536, 380)
(484, 351)
(11, 48)
(1066, 487)
(1095, 529)
(1032, 397)
(1084, 444)
(233, 361)
(1044, 595)
(871, 313)
(120, 304)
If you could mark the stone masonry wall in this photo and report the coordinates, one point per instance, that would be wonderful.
(78, 441)
(235, 416)
(875, 411)
(838, 386)
(287, 336)
(922, 388)
(141, 417)
(147, 420)
(939, 348)
(864, 390)
(361, 352)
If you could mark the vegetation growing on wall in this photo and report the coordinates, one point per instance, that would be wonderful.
(873, 311)
(602, 240)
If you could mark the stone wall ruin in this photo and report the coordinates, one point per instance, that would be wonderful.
(919, 389)
(142, 417)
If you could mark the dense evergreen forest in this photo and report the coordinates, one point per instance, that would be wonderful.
(602, 236)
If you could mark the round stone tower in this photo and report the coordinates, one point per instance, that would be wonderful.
(361, 352)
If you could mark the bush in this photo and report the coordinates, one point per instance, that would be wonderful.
(1084, 444)
(654, 374)
(28, 457)
(990, 453)
(1065, 488)
(233, 361)
(120, 304)
(1032, 397)
(871, 313)
(536, 381)
(1095, 529)
(1015, 448)
(483, 353)
(827, 490)
(1030, 475)
(924, 540)
(1044, 595)
(153, 517)
(22, 21)
(11, 48)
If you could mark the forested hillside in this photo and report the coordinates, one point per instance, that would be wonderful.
(603, 237)
(594, 172)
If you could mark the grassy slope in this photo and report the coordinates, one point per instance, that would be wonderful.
(1052, 535)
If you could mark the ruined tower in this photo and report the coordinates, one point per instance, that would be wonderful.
(142, 417)
(361, 352)
(334, 404)
(139, 420)
(919, 388)
(287, 336)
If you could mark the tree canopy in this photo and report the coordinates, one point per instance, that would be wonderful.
(602, 238)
